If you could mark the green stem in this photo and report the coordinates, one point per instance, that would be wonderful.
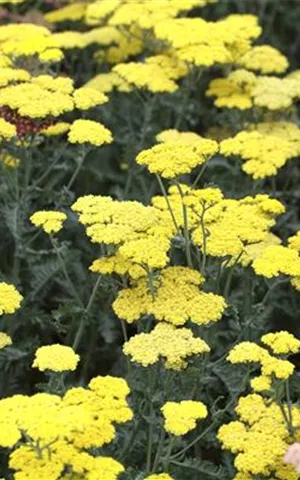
(151, 381)
(64, 270)
(77, 170)
(80, 330)
(159, 450)
(186, 228)
(168, 457)
(160, 182)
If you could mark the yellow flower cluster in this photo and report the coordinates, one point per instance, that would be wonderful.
(29, 40)
(174, 135)
(203, 43)
(89, 131)
(232, 224)
(49, 221)
(10, 298)
(174, 345)
(172, 159)
(265, 59)
(5, 340)
(106, 82)
(143, 234)
(117, 264)
(280, 343)
(242, 89)
(7, 130)
(75, 11)
(181, 417)
(146, 13)
(277, 259)
(42, 96)
(262, 153)
(259, 439)
(58, 431)
(177, 299)
(150, 76)
(57, 358)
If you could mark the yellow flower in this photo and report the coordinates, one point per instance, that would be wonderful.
(88, 131)
(172, 159)
(181, 417)
(175, 345)
(174, 135)
(177, 299)
(86, 98)
(5, 340)
(58, 128)
(75, 11)
(264, 58)
(276, 260)
(145, 75)
(57, 358)
(49, 221)
(261, 383)
(159, 476)
(247, 352)
(10, 298)
(281, 342)
(7, 130)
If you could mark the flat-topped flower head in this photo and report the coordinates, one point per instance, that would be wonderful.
(5, 340)
(181, 417)
(86, 98)
(177, 299)
(172, 159)
(50, 221)
(160, 476)
(90, 132)
(57, 358)
(10, 298)
(174, 345)
(281, 342)
(7, 130)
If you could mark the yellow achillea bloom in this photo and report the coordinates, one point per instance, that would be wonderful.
(261, 383)
(294, 242)
(88, 131)
(173, 135)
(165, 341)
(5, 340)
(58, 128)
(233, 91)
(117, 264)
(54, 84)
(27, 40)
(57, 358)
(276, 260)
(248, 352)
(259, 439)
(145, 13)
(143, 234)
(75, 11)
(62, 429)
(50, 221)
(106, 82)
(181, 417)
(7, 130)
(177, 299)
(10, 75)
(232, 224)
(10, 298)
(265, 59)
(86, 98)
(243, 89)
(172, 159)
(35, 101)
(146, 75)
(281, 342)
(263, 154)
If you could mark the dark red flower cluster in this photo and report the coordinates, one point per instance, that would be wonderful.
(24, 125)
